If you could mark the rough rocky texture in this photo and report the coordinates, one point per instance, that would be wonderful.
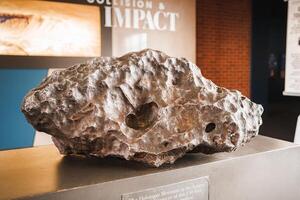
(143, 106)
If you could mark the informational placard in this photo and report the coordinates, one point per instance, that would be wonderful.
(292, 77)
(195, 189)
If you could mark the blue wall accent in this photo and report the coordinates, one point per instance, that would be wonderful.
(15, 131)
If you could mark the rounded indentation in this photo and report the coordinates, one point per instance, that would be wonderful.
(210, 127)
(234, 138)
(165, 144)
(219, 90)
(232, 108)
(241, 103)
(143, 117)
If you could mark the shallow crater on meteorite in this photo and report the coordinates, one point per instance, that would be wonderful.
(143, 117)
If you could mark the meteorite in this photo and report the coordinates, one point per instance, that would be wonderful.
(144, 106)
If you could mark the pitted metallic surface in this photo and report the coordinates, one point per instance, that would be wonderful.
(143, 106)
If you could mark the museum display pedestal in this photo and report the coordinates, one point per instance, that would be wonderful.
(265, 168)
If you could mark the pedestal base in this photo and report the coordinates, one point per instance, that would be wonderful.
(264, 169)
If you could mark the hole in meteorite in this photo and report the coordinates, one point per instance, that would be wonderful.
(210, 127)
(165, 143)
(143, 117)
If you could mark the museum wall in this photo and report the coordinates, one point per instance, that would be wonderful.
(15, 132)
(223, 42)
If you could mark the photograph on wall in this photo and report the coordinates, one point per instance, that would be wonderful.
(43, 28)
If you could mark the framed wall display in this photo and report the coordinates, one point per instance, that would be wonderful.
(41, 28)
(46, 34)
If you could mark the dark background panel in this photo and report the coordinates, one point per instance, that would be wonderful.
(269, 25)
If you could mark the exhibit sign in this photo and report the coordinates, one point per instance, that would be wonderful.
(195, 189)
(292, 73)
(164, 25)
